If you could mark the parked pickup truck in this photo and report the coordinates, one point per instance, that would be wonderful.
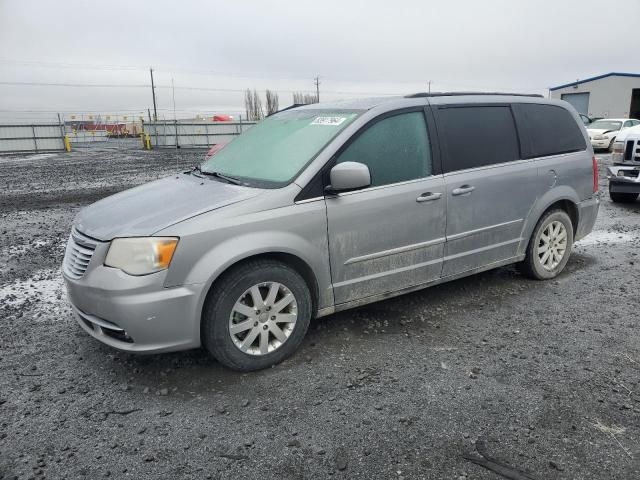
(624, 175)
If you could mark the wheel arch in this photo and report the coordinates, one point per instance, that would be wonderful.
(286, 258)
(567, 202)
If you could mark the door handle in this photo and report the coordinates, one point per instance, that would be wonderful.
(428, 197)
(463, 190)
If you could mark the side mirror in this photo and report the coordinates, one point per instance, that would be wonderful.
(348, 176)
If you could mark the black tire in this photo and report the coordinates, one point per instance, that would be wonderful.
(216, 337)
(622, 197)
(610, 148)
(531, 266)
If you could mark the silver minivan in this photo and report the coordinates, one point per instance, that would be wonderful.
(326, 207)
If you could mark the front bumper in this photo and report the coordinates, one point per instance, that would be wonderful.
(600, 144)
(135, 314)
(624, 179)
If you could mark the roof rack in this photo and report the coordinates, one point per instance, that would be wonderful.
(459, 94)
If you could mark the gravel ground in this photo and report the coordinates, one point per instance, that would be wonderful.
(541, 377)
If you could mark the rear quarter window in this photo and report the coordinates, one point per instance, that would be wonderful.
(547, 130)
(476, 136)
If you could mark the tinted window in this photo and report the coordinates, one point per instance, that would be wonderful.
(395, 149)
(477, 136)
(548, 130)
(627, 124)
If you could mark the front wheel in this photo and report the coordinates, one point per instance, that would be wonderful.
(256, 315)
(549, 247)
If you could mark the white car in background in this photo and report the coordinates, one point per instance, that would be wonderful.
(603, 132)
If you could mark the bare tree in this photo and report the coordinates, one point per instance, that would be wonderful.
(304, 98)
(253, 105)
(258, 113)
(248, 103)
(272, 102)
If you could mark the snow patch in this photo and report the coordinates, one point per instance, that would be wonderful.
(601, 236)
(45, 288)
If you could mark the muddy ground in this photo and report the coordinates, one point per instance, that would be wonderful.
(546, 375)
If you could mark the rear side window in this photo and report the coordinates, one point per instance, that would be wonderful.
(475, 136)
(395, 149)
(547, 130)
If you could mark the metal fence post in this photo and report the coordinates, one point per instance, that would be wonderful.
(35, 141)
(61, 131)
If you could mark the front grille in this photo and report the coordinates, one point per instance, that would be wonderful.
(80, 249)
(628, 150)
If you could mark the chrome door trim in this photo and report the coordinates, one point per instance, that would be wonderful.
(483, 249)
(393, 251)
(468, 233)
(387, 273)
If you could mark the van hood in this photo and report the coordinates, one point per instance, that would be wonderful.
(151, 207)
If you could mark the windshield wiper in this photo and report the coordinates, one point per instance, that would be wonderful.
(227, 178)
(195, 169)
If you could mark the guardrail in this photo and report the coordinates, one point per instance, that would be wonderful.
(42, 137)
(176, 134)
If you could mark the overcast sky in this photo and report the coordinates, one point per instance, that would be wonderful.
(213, 50)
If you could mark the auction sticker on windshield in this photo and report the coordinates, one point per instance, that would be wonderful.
(331, 121)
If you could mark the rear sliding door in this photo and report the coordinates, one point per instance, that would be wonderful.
(489, 187)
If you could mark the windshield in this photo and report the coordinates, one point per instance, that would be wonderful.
(605, 125)
(273, 152)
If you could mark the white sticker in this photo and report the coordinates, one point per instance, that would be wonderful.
(331, 121)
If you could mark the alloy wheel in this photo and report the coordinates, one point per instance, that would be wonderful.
(263, 318)
(552, 245)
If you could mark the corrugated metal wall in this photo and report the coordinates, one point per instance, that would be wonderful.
(194, 135)
(31, 138)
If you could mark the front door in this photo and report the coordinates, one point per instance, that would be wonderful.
(391, 235)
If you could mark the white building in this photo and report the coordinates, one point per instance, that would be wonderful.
(612, 95)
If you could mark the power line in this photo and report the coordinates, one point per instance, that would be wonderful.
(205, 89)
(75, 85)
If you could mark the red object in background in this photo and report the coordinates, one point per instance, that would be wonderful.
(114, 128)
(222, 118)
(213, 150)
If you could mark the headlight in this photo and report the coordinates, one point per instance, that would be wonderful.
(140, 255)
(618, 149)
(600, 137)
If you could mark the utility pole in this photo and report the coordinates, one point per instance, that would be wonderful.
(429, 87)
(316, 81)
(153, 92)
(175, 120)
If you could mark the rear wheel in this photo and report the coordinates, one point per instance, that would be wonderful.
(549, 247)
(620, 197)
(257, 315)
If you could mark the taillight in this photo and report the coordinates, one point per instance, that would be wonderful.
(595, 174)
